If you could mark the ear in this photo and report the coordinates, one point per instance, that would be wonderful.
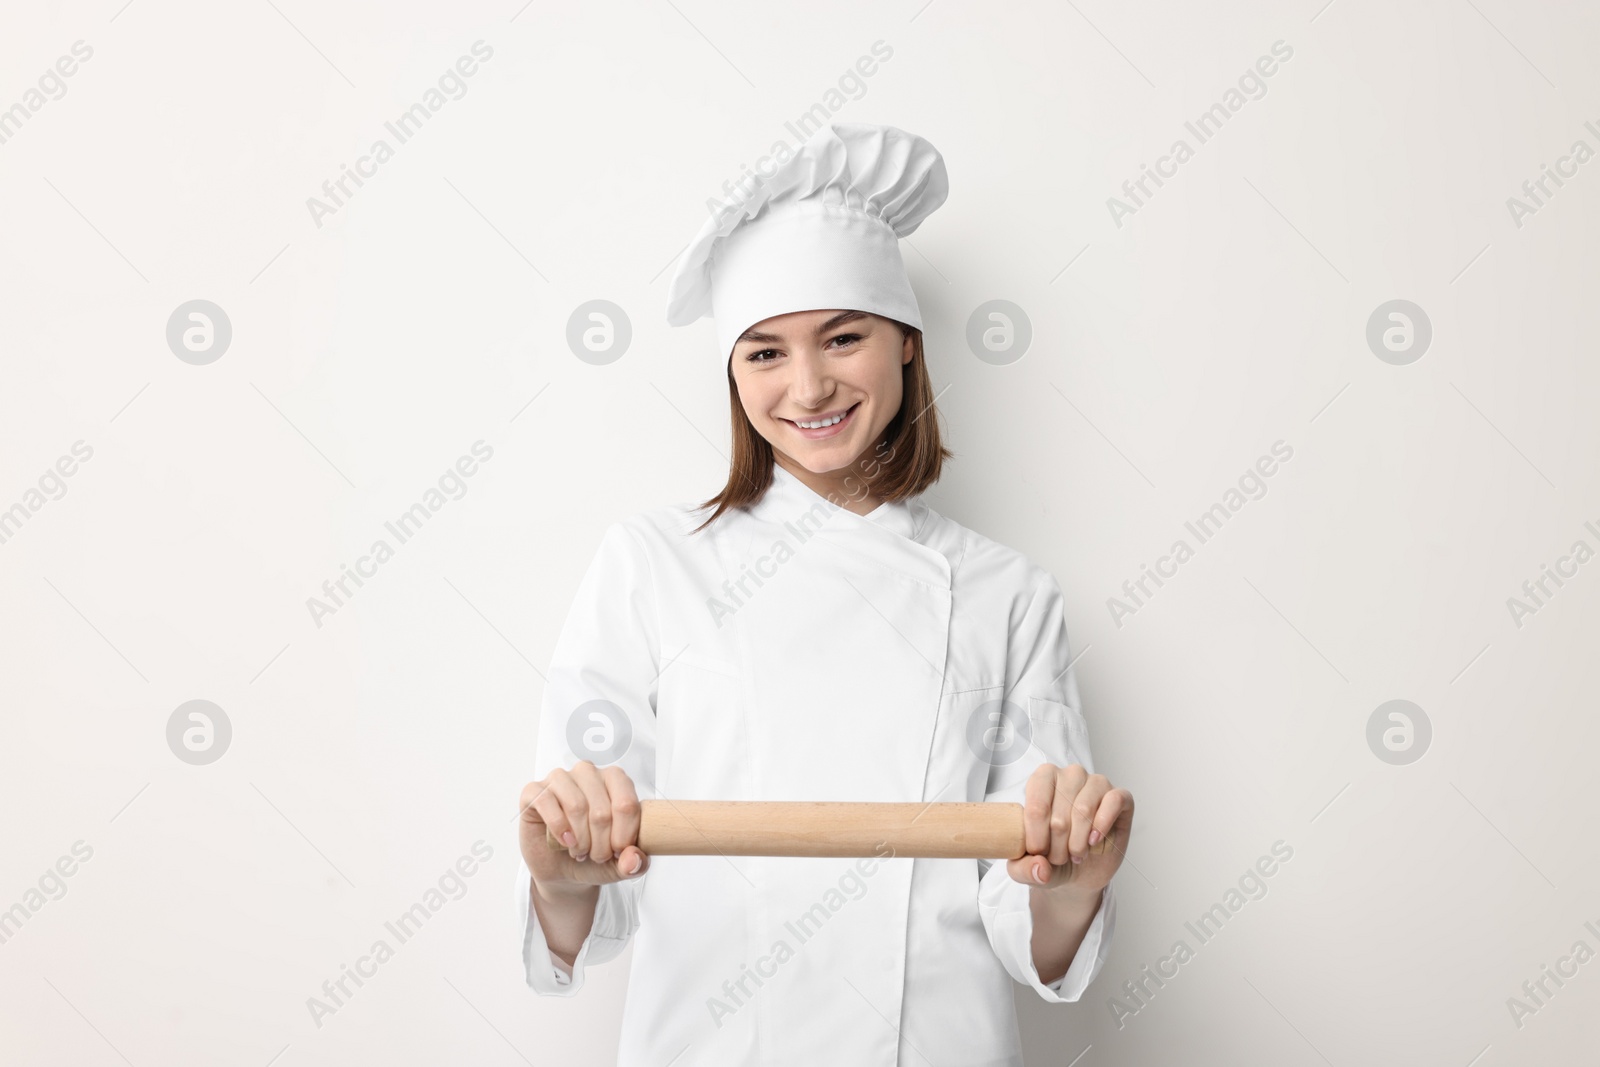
(905, 349)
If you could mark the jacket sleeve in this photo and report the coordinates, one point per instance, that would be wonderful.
(1043, 690)
(608, 650)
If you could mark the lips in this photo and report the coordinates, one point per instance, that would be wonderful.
(826, 431)
(825, 415)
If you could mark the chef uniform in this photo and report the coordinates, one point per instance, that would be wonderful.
(795, 650)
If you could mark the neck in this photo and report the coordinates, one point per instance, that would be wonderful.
(844, 487)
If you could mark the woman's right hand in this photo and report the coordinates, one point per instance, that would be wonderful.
(594, 813)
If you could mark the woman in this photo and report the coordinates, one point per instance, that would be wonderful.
(816, 632)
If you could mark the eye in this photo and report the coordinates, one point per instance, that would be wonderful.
(754, 357)
(847, 338)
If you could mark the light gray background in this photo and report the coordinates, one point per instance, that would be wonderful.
(1168, 354)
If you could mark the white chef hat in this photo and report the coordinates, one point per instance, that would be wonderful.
(822, 232)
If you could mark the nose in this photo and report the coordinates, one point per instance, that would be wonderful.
(812, 384)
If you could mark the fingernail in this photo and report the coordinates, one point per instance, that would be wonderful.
(1038, 873)
(638, 861)
(1077, 859)
(568, 840)
(581, 857)
(1094, 836)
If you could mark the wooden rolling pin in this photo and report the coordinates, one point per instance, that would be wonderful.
(990, 830)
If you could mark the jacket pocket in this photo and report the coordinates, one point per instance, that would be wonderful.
(701, 660)
(1060, 732)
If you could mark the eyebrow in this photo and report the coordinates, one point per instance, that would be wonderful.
(833, 323)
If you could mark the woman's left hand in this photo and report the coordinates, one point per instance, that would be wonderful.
(1075, 829)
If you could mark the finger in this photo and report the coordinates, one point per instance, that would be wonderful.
(1114, 822)
(625, 810)
(574, 811)
(1084, 807)
(525, 803)
(1061, 819)
(546, 809)
(599, 800)
(1069, 781)
(1038, 796)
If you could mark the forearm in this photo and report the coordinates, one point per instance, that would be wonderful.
(566, 916)
(1061, 918)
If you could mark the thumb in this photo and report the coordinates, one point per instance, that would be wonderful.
(1028, 869)
(631, 862)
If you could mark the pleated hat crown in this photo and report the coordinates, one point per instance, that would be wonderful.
(822, 232)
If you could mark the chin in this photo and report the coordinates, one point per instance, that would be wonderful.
(820, 460)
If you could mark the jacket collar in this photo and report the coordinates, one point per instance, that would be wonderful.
(788, 497)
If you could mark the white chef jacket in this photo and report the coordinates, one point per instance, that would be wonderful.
(797, 651)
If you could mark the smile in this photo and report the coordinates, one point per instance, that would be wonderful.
(826, 426)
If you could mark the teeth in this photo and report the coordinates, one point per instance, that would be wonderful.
(819, 424)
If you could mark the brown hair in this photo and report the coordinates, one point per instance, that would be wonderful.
(904, 462)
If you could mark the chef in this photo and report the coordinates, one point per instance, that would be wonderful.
(816, 632)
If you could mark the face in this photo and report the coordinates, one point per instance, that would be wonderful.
(798, 373)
